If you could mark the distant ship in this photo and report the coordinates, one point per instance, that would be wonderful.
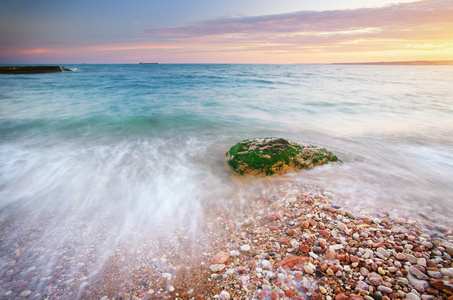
(145, 63)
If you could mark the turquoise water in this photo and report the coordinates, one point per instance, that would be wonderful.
(145, 144)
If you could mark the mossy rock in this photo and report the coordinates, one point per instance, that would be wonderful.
(269, 156)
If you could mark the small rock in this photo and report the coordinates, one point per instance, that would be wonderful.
(217, 267)
(392, 269)
(245, 248)
(434, 274)
(308, 269)
(415, 281)
(342, 226)
(234, 253)
(330, 254)
(412, 296)
(385, 289)
(449, 250)
(417, 273)
(427, 244)
(292, 261)
(442, 284)
(422, 262)
(400, 256)
(375, 279)
(25, 293)
(350, 215)
(412, 259)
(341, 296)
(224, 295)
(383, 252)
(220, 258)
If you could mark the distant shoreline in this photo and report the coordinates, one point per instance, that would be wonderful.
(404, 63)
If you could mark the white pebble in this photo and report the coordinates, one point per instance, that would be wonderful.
(245, 248)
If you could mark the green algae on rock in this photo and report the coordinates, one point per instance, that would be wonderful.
(269, 156)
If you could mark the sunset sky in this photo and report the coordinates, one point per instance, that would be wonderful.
(228, 31)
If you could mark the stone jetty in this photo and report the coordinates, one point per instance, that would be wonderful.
(31, 69)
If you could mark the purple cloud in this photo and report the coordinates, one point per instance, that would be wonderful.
(423, 19)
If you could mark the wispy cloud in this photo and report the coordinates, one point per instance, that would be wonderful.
(395, 25)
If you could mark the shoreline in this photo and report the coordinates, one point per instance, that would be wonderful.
(301, 245)
(287, 241)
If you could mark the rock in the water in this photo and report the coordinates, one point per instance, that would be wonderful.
(30, 69)
(270, 156)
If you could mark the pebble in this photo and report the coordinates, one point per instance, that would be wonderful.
(449, 250)
(342, 226)
(375, 279)
(400, 256)
(350, 215)
(412, 259)
(415, 281)
(422, 262)
(330, 254)
(245, 248)
(412, 296)
(220, 258)
(25, 293)
(384, 252)
(225, 295)
(381, 271)
(385, 289)
(392, 269)
(234, 253)
(308, 269)
(419, 274)
(217, 267)
(434, 274)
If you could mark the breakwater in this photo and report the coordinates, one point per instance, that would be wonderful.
(30, 69)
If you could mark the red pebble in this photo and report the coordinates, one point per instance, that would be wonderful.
(316, 296)
(341, 296)
(324, 232)
(289, 293)
(304, 248)
(353, 258)
(272, 218)
(274, 296)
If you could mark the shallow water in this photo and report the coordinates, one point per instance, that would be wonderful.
(93, 156)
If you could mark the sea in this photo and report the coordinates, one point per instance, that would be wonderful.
(104, 153)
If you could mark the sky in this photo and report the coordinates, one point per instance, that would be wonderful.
(226, 31)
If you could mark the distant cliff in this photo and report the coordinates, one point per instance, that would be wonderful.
(30, 69)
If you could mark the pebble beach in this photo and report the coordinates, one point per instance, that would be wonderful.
(299, 245)
(289, 243)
